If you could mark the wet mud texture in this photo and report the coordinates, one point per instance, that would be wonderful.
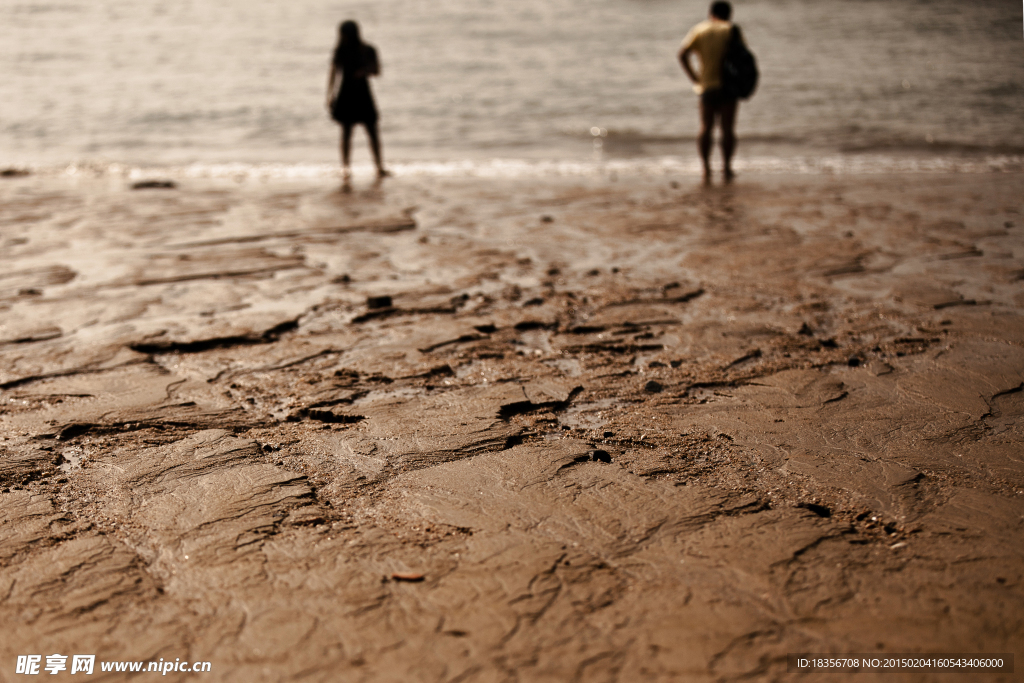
(511, 430)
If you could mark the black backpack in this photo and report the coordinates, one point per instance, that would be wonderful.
(739, 68)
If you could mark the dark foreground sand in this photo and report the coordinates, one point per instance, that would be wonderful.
(624, 430)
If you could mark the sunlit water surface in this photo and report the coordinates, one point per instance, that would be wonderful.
(498, 87)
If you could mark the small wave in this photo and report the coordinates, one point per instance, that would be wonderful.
(690, 166)
(189, 117)
(932, 147)
(631, 136)
(39, 8)
(523, 168)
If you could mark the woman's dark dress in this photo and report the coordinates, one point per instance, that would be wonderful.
(354, 103)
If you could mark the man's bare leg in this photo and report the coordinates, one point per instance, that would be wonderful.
(707, 127)
(728, 122)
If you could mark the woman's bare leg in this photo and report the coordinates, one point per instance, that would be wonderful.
(371, 131)
(346, 148)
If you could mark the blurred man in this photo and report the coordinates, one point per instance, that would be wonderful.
(709, 40)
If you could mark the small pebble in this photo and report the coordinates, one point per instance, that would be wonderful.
(411, 577)
(853, 361)
(653, 387)
(378, 301)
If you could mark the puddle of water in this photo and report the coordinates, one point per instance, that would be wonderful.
(537, 340)
(569, 366)
(71, 459)
(588, 415)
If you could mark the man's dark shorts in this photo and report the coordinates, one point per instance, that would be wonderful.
(717, 98)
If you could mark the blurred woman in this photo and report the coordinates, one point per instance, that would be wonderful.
(354, 62)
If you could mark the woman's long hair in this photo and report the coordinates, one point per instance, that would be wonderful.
(349, 52)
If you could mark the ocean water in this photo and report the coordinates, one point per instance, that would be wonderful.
(483, 84)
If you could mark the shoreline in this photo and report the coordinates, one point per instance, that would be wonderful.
(685, 165)
(511, 426)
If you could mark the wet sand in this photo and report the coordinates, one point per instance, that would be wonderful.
(548, 429)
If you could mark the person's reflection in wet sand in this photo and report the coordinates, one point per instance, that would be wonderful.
(351, 102)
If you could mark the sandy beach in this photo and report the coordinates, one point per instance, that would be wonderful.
(608, 428)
